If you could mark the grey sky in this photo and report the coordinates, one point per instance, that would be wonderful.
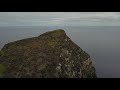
(59, 18)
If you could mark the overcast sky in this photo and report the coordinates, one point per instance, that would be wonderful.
(59, 18)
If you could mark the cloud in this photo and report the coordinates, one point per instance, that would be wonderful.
(59, 18)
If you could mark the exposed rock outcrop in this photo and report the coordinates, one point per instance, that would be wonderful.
(50, 55)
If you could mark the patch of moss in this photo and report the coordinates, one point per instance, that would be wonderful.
(52, 42)
(2, 69)
(2, 53)
(56, 32)
(12, 57)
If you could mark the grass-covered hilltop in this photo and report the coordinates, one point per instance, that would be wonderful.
(51, 55)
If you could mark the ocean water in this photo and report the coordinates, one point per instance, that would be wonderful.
(101, 42)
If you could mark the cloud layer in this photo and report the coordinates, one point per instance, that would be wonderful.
(60, 18)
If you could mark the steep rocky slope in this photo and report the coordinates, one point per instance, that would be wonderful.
(50, 55)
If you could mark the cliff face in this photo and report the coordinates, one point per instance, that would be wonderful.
(50, 55)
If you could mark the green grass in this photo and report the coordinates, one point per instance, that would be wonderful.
(2, 53)
(52, 42)
(12, 57)
(55, 32)
(2, 69)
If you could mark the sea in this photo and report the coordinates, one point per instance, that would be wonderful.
(102, 43)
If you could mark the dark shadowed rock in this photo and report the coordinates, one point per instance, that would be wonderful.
(50, 55)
